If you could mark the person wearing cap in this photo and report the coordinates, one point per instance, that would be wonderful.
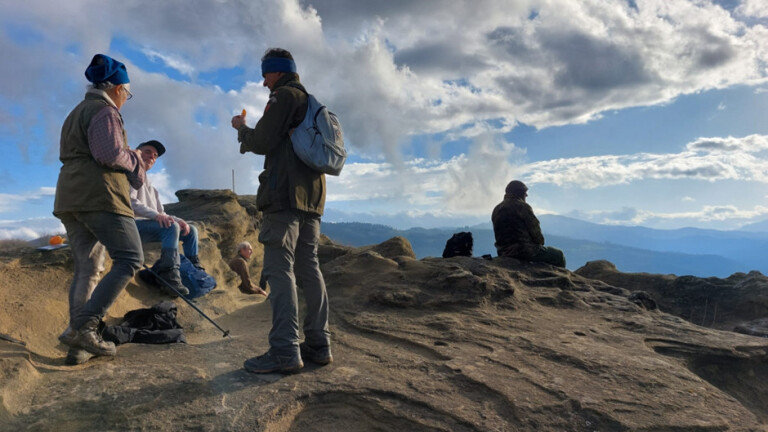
(517, 230)
(291, 197)
(94, 204)
(155, 225)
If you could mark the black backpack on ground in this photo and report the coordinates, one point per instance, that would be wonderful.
(460, 244)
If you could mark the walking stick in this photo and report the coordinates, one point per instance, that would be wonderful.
(189, 302)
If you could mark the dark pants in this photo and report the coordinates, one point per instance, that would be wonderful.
(119, 236)
(550, 255)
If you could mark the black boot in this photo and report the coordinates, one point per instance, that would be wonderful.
(167, 268)
(195, 260)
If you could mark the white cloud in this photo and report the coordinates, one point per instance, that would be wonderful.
(731, 214)
(390, 71)
(172, 61)
(466, 184)
(9, 202)
(707, 159)
(30, 229)
(753, 8)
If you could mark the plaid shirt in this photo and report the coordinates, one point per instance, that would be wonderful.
(105, 140)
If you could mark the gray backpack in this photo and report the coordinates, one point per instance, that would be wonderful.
(318, 140)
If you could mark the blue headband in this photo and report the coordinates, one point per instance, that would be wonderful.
(277, 64)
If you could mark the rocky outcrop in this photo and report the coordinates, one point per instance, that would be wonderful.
(737, 303)
(458, 344)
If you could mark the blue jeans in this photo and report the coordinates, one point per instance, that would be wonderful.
(118, 234)
(290, 241)
(151, 232)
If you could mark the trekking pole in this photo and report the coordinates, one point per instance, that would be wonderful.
(189, 302)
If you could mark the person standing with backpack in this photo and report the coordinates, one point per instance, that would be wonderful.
(291, 196)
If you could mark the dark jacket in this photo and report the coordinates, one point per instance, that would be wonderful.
(286, 182)
(517, 230)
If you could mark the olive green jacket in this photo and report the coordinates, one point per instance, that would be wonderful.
(84, 184)
(286, 182)
(517, 230)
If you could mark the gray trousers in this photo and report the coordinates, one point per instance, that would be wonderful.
(89, 235)
(290, 241)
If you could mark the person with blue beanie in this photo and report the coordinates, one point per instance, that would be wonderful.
(93, 202)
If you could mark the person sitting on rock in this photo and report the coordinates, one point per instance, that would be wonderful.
(155, 225)
(517, 230)
(239, 265)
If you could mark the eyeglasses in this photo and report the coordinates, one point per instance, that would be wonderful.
(130, 95)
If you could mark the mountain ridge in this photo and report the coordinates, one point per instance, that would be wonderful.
(683, 251)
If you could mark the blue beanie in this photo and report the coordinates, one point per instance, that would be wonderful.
(105, 68)
(277, 64)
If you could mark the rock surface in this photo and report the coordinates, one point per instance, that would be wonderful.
(459, 344)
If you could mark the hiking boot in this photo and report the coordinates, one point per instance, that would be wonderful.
(270, 362)
(167, 268)
(76, 356)
(173, 278)
(195, 260)
(319, 355)
(89, 339)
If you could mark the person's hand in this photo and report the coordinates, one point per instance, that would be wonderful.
(184, 226)
(138, 156)
(164, 220)
(238, 121)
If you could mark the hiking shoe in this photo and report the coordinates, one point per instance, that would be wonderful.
(89, 339)
(195, 260)
(320, 355)
(270, 362)
(173, 278)
(76, 356)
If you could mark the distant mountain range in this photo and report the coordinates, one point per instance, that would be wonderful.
(686, 251)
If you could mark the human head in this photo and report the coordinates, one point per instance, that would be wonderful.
(275, 63)
(111, 76)
(150, 151)
(516, 189)
(245, 250)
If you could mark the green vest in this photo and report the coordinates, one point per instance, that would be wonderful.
(84, 184)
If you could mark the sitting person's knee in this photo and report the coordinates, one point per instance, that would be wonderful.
(175, 227)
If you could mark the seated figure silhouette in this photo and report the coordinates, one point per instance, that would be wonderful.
(517, 230)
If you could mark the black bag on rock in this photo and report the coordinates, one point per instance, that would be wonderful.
(460, 244)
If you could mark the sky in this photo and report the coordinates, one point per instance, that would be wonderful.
(624, 112)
